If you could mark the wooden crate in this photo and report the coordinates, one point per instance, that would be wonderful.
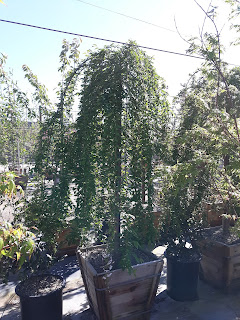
(65, 248)
(118, 294)
(213, 213)
(220, 264)
(21, 180)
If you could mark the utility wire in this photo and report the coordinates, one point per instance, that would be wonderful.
(101, 39)
(126, 16)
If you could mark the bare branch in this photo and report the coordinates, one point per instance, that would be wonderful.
(180, 33)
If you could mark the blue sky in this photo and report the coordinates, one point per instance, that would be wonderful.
(40, 49)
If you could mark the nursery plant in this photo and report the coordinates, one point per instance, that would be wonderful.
(107, 159)
(210, 118)
(205, 164)
(17, 242)
(50, 207)
(183, 187)
(23, 252)
(121, 130)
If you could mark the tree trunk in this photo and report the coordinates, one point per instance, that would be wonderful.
(118, 169)
(117, 205)
(226, 225)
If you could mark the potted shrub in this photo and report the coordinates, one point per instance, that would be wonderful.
(48, 210)
(17, 242)
(213, 130)
(20, 252)
(210, 121)
(183, 186)
(40, 292)
(121, 124)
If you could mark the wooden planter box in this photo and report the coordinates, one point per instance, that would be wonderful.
(118, 294)
(214, 213)
(64, 247)
(22, 181)
(220, 264)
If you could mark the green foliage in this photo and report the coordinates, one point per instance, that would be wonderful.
(183, 187)
(17, 133)
(7, 185)
(209, 128)
(17, 242)
(47, 210)
(205, 158)
(121, 127)
(40, 95)
(50, 205)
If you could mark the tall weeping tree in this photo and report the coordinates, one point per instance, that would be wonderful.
(121, 127)
(50, 210)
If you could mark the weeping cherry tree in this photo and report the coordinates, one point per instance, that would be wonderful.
(121, 130)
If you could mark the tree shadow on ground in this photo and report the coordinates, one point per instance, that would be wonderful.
(85, 315)
(10, 313)
(65, 267)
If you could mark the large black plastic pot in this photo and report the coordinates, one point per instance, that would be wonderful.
(182, 278)
(41, 307)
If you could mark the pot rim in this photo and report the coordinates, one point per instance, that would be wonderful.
(21, 285)
(178, 258)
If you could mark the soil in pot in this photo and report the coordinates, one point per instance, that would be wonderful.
(217, 234)
(102, 260)
(41, 297)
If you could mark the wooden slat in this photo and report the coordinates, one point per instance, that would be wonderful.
(234, 250)
(118, 276)
(88, 283)
(155, 283)
(227, 272)
(102, 298)
(212, 270)
(236, 270)
(214, 248)
(125, 302)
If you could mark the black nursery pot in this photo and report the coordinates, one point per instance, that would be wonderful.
(41, 307)
(182, 278)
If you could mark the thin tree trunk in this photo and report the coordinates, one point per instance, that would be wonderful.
(118, 166)
(118, 170)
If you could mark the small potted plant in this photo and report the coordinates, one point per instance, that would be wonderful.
(183, 187)
(22, 252)
(17, 242)
(122, 120)
(40, 292)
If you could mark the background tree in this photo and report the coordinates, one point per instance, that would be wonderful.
(209, 119)
(17, 129)
(51, 206)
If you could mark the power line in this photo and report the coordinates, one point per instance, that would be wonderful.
(100, 39)
(126, 16)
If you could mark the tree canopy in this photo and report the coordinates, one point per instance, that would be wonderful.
(120, 129)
